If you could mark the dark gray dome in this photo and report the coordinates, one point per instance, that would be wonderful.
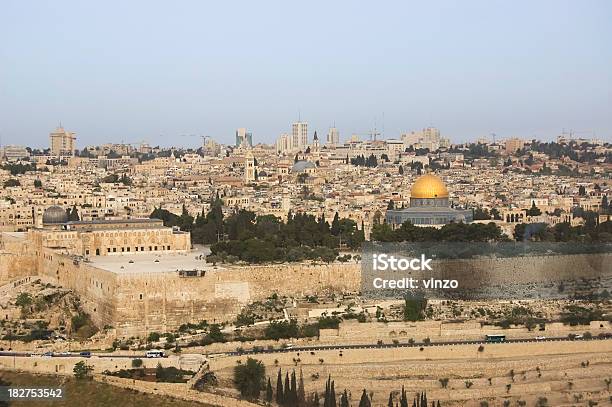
(301, 166)
(54, 215)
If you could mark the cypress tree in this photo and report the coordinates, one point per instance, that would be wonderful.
(315, 401)
(335, 226)
(287, 397)
(280, 394)
(390, 403)
(403, 399)
(269, 391)
(365, 400)
(301, 396)
(344, 399)
(332, 395)
(293, 391)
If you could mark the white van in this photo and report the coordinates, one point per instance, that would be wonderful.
(155, 353)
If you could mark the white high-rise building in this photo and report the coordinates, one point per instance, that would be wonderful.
(299, 135)
(62, 142)
(284, 143)
(427, 138)
(333, 136)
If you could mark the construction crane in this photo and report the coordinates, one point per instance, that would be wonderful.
(371, 135)
(494, 137)
(204, 138)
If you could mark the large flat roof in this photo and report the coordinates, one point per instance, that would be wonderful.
(153, 262)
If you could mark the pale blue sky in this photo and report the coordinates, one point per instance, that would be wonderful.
(134, 70)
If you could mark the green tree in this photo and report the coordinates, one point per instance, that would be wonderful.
(269, 391)
(73, 215)
(335, 226)
(249, 378)
(344, 402)
(403, 398)
(81, 370)
(534, 210)
(519, 232)
(23, 300)
(11, 182)
(413, 308)
(301, 395)
(280, 393)
(365, 400)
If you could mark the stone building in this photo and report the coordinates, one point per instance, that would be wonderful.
(62, 142)
(106, 237)
(429, 206)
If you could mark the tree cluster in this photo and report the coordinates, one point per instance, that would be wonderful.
(249, 378)
(255, 239)
(453, 232)
(564, 232)
(362, 161)
(19, 168)
(289, 394)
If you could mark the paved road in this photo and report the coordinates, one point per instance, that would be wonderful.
(321, 347)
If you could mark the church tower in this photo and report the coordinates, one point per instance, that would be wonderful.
(249, 167)
(315, 142)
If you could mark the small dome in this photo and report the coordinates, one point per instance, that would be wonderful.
(429, 186)
(302, 166)
(54, 215)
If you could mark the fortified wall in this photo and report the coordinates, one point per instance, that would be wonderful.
(440, 331)
(136, 303)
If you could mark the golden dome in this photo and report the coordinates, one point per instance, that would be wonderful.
(429, 186)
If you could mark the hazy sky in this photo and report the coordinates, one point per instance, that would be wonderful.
(131, 70)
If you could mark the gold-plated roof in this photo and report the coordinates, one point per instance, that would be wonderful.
(429, 186)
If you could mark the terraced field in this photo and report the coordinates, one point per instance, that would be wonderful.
(552, 374)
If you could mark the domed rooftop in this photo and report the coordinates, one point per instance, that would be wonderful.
(54, 215)
(301, 166)
(429, 186)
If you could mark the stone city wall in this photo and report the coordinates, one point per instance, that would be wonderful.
(162, 302)
(439, 331)
(95, 287)
(138, 303)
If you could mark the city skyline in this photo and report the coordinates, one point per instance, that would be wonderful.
(526, 70)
